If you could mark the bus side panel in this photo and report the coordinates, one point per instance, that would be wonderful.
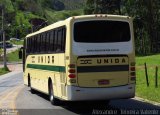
(60, 78)
(40, 72)
(26, 72)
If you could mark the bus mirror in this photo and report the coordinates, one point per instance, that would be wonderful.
(20, 53)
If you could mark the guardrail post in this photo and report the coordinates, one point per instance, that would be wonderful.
(156, 77)
(146, 73)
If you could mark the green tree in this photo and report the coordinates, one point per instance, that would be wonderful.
(90, 7)
(103, 7)
(146, 16)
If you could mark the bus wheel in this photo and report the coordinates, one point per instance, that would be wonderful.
(29, 81)
(53, 100)
(31, 89)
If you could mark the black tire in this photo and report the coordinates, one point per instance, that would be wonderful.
(33, 91)
(29, 83)
(53, 100)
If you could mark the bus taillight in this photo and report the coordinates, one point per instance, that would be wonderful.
(72, 76)
(72, 71)
(132, 69)
(132, 72)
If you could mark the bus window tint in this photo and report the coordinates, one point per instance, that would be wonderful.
(43, 42)
(28, 46)
(38, 43)
(63, 39)
(101, 31)
(35, 44)
(52, 41)
(55, 41)
(47, 42)
(59, 39)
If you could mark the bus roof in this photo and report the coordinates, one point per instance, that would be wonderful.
(63, 22)
(54, 25)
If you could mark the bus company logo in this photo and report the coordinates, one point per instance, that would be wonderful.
(104, 61)
(85, 61)
(116, 60)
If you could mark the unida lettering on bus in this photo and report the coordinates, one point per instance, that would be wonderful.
(116, 60)
(103, 61)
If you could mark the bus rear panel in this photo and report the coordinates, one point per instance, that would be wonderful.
(102, 56)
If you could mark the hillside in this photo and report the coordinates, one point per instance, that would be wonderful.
(73, 4)
(19, 13)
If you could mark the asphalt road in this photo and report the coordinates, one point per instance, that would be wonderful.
(14, 95)
(10, 86)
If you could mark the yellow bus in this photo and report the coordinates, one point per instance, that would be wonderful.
(88, 57)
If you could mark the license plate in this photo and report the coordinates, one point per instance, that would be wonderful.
(103, 82)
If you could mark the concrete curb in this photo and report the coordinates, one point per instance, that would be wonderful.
(147, 101)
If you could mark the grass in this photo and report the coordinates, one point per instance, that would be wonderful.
(150, 93)
(150, 60)
(4, 71)
(13, 57)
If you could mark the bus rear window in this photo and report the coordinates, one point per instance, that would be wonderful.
(101, 31)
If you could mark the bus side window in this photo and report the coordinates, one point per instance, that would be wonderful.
(27, 48)
(63, 39)
(48, 42)
(55, 41)
(31, 44)
(45, 42)
(28, 45)
(41, 37)
(59, 39)
(34, 44)
(42, 42)
(38, 43)
(52, 40)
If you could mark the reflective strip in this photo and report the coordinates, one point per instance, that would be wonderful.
(47, 67)
(110, 68)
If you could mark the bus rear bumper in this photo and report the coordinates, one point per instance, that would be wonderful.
(80, 93)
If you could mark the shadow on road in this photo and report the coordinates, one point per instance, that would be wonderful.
(122, 106)
(90, 107)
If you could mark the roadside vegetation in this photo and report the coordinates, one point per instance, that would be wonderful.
(13, 57)
(4, 71)
(142, 90)
(15, 42)
(21, 13)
